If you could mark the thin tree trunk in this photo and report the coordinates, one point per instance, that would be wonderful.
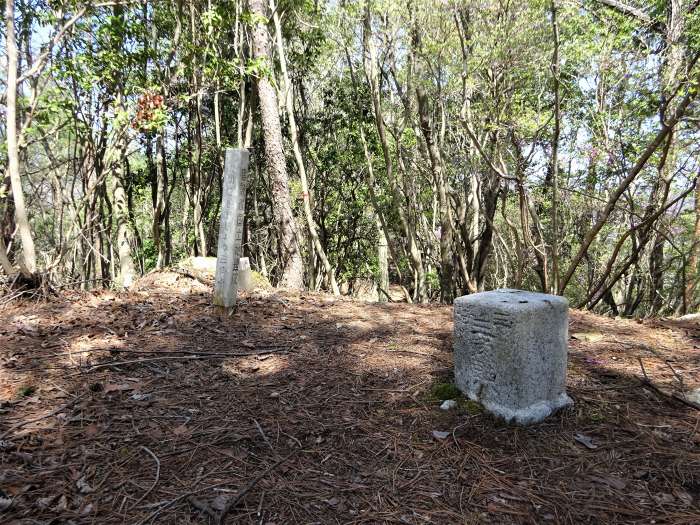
(670, 74)
(157, 194)
(691, 279)
(127, 273)
(96, 237)
(4, 260)
(555, 151)
(382, 228)
(27, 257)
(383, 264)
(167, 192)
(373, 82)
(290, 254)
(196, 170)
(446, 228)
(131, 214)
(288, 94)
(217, 118)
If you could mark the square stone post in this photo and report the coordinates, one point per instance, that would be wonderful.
(245, 275)
(510, 352)
(231, 227)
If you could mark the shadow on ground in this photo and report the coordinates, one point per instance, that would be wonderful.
(153, 407)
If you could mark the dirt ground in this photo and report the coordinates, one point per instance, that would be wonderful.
(153, 407)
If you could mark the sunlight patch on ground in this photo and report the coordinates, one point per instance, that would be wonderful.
(258, 366)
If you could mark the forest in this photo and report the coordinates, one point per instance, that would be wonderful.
(442, 147)
(367, 262)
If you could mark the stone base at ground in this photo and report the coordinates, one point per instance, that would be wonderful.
(511, 352)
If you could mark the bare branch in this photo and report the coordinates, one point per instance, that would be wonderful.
(41, 62)
(634, 12)
(666, 128)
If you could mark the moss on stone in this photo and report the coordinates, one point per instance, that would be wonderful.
(443, 391)
(471, 407)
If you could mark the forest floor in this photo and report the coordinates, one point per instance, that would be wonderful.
(153, 407)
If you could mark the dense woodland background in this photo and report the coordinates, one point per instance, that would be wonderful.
(443, 146)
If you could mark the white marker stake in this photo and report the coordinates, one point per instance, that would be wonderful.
(231, 227)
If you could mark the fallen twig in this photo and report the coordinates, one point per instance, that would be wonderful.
(157, 478)
(199, 356)
(264, 349)
(263, 434)
(676, 374)
(172, 502)
(650, 384)
(641, 364)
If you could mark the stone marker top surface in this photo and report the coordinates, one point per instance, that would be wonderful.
(509, 299)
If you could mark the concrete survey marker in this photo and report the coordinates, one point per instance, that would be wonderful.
(245, 275)
(510, 352)
(231, 227)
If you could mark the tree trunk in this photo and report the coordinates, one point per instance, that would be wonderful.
(372, 75)
(27, 257)
(691, 279)
(157, 195)
(7, 227)
(290, 254)
(5, 263)
(446, 228)
(671, 71)
(288, 94)
(383, 263)
(198, 191)
(555, 151)
(127, 273)
(382, 227)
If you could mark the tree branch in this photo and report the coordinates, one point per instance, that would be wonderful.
(650, 149)
(632, 11)
(41, 62)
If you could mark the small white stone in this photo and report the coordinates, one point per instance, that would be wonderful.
(448, 404)
(138, 396)
(693, 396)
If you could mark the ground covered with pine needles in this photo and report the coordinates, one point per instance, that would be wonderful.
(153, 407)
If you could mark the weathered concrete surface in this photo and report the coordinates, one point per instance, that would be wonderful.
(245, 275)
(511, 351)
(231, 227)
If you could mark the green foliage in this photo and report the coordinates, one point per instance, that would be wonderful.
(253, 19)
(148, 254)
(26, 390)
(487, 64)
(433, 280)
